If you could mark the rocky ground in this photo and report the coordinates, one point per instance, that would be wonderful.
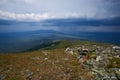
(68, 60)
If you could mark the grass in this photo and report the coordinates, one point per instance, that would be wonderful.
(55, 65)
(55, 68)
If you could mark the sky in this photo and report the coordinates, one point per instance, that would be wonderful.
(39, 10)
(43, 9)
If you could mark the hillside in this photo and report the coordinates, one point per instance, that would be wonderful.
(63, 60)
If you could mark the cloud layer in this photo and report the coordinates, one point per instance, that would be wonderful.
(62, 25)
(47, 9)
(30, 16)
(36, 17)
(92, 11)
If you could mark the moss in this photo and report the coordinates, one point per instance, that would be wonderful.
(114, 63)
(91, 55)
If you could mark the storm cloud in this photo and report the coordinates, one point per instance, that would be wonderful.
(45, 9)
(60, 15)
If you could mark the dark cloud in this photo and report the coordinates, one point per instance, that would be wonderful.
(73, 24)
(111, 7)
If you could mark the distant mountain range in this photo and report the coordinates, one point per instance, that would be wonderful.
(68, 22)
(30, 40)
(18, 41)
(22, 41)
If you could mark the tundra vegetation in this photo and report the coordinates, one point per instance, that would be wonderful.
(63, 60)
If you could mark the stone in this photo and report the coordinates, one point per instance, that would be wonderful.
(69, 50)
(45, 59)
(106, 78)
(98, 58)
(2, 76)
(79, 57)
(116, 48)
(97, 65)
(113, 76)
(65, 59)
(117, 72)
(38, 70)
(29, 74)
(44, 52)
